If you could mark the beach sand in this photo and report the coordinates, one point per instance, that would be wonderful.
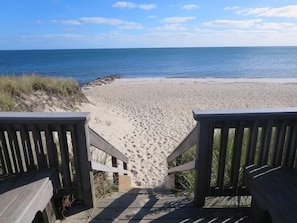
(147, 118)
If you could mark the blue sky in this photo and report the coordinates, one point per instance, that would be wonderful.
(59, 24)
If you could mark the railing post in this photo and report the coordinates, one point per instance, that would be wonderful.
(84, 164)
(177, 177)
(114, 162)
(203, 162)
(125, 167)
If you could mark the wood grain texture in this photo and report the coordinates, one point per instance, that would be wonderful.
(23, 195)
(97, 141)
(275, 189)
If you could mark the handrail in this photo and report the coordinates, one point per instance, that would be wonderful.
(32, 117)
(184, 167)
(97, 141)
(104, 168)
(242, 114)
(186, 144)
(100, 143)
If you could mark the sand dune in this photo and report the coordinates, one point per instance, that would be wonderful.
(147, 118)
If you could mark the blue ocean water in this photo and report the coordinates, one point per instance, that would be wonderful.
(205, 62)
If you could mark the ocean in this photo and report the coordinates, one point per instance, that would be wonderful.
(85, 65)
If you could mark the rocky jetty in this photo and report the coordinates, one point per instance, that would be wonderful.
(100, 81)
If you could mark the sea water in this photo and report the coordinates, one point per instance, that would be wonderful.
(85, 65)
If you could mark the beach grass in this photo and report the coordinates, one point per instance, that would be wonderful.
(185, 180)
(13, 87)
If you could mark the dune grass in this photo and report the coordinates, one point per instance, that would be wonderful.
(185, 180)
(12, 87)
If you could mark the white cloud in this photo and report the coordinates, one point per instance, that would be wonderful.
(190, 6)
(231, 8)
(178, 19)
(147, 6)
(131, 25)
(68, 22)
(131, 5)
(233, 23)
(276, 26)
(100, 20)
(170, 27)
(285, 11)
(124, 5)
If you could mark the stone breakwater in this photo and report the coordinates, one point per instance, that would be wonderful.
(100, 81)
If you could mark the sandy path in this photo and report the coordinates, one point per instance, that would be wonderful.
(147, 118)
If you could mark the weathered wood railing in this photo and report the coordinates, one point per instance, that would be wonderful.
(227, 141)
(33, 141)
(98, 142)
(116, 156)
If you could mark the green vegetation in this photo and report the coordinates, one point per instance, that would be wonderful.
(103, 186)
(185, 181)
(14, 88)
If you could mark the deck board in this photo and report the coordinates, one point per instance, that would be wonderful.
(276, 190)
(23, 195)
(159, 205)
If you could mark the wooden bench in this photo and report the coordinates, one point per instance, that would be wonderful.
(274, 192)
(24, 195)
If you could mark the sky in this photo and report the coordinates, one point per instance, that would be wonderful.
(81, 24)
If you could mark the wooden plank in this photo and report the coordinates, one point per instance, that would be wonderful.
(291, 155)
(39, 117)
(291, 146)
(203, 161)
(3, 169)
(52, 155)
(186, 144)
(104, 168)
(265, 143)
(246, 114)
(125, 167)
(81, 131)
(27, 195)
(252, 143)
(100, 143)
(236, 157)
(15, 150)
(76, 162)
(64, 158)
(28, 153)
(38, 147)
(8, 163)
(275, 191)
(184, 167)
(222, 155)
(279, 143)
(114, 163)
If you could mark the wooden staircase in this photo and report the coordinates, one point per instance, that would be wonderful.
(157, 205)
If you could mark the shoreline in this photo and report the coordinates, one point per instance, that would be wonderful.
(147, 118)
(210, 79)
(116, 78)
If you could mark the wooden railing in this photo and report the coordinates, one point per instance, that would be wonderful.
(116, 156)
(227, 141)
(33, 141)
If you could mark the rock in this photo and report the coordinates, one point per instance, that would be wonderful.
(100, 81)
